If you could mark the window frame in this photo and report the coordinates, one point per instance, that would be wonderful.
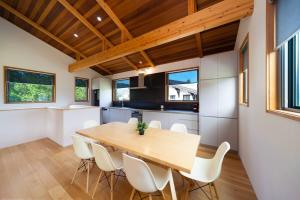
(242, 92)
(273, 72)
(87, 91)
(114, 91)
(6, 90)
(167, 85)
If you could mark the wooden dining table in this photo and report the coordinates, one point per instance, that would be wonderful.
(168, 148)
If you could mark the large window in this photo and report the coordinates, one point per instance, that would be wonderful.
(289, 64)
(81, 89)
(121, 90)
(26, 86)
(244, 72)
(182, 85)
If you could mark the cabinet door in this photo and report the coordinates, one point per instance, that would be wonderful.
(119, 115)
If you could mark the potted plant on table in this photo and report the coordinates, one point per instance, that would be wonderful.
(141, 127)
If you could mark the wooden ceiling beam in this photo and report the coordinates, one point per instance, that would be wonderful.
(47, 10)
(121, 26)
(36, 8)
(192, 8)
(71, 9)
(216, 15)
(43, 30)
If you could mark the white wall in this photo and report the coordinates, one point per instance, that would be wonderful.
(268, 144)
(21, 49)
(218, 119)
(160, 68)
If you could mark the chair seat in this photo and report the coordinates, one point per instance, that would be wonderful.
(201, 171)
(116, 156)
(161, 175)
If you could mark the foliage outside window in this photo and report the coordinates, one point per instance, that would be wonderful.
(244, 73)
(289, 62)
(122, 90)
(182, 85)
(26, 86)
(81, 89)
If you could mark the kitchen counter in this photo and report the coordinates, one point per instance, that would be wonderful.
(162, 111)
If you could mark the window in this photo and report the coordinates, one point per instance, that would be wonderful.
(244, 73)
(282, 55)
(81, 89)
(182, 85)
(122, 91)
(26, 86)
(289, 54)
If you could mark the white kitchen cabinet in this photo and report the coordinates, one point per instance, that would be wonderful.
(95, 83)
(208, 95)
(208, 129)
(105, 92)
(168, 118)
(227, 97)
(228, 131)
(119, 115)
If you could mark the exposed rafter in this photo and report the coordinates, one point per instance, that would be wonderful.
(125, 31)
(216, 15)
(81, 18)
(46, 11)
(43, 30)
(192, 8)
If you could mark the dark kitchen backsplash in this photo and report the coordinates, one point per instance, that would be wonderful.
(153, 96)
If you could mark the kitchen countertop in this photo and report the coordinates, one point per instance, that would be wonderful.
(164, 111)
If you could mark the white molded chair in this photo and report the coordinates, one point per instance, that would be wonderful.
(107, 162)
(177, 127)
(133, 121)
(146, 177)
(155, 124)
(208, 170)
(84, 152)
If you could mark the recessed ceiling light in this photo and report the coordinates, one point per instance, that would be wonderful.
(99, 19)
(141, 62)
(75, 35)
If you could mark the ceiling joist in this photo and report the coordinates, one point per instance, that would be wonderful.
(216, 15)
(83, 20)
(192, 8)
(43, 30)
(122, 27)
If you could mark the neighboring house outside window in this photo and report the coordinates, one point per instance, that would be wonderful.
(182, 85)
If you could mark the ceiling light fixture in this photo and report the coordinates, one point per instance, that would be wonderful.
(140, 62)
(99, 19)
(75, 35)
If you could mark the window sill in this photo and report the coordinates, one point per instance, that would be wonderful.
(286, 114)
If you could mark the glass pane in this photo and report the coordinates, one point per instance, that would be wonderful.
(184, 77)
(245, 85)
(296, 70)
(245, 57)
(81, 94)
(122, 90)
(81, 82)
(20, 76)
(25, 92)
(183, 86)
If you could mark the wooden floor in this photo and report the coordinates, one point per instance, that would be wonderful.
(43, 170)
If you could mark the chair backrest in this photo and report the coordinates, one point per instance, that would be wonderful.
(81, 148)
(90, 124)
(102, 158)
(177, 127)
(133, 121)
(139, 174)
(217, 160)
(155, 124)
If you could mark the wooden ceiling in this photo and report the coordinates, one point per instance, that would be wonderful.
(56, 22)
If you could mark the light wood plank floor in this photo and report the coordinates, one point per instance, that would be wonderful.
(43, 170)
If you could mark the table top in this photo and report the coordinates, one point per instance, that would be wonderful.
(168, 148)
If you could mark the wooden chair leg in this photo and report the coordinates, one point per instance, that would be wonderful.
(87, 177)
(112, 186)
(76, 172)
(98, 180)
(150, 197)
(163, 194)
(215, 188)
(132, 194)
(210, 190)
(186, 193)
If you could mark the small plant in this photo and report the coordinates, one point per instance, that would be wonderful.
(141, 127)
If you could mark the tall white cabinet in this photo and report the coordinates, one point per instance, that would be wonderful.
(218, 99)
